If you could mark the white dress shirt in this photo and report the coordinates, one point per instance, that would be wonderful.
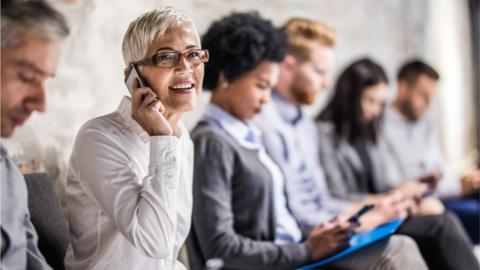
(128, 195)
(249, 137)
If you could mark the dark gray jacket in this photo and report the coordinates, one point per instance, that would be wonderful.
(233, 211)
(343, 167)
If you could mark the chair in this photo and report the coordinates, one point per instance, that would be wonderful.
(47, 216)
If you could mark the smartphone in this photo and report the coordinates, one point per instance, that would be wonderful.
(134, 74)
(361, 212)
(431, 179)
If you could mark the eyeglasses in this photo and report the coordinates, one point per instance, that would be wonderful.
(172, 58)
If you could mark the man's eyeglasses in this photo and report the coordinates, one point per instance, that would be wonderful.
(168, 59)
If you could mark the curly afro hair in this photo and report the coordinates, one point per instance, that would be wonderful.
(238, 43)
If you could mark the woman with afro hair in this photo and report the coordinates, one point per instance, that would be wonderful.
(236, 216)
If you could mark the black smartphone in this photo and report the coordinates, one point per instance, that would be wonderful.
(354, 219)
(134, 74)
(431, 179)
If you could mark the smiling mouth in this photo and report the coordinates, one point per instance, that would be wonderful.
(182, 88)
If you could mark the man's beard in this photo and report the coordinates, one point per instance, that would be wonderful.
(407, 110)
(303, 97)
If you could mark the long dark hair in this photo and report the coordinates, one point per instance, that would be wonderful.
(344, 109)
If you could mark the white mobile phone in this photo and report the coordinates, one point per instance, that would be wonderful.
(134, 74)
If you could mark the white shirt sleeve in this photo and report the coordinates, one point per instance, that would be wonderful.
(143, 210)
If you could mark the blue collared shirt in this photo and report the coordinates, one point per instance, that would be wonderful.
(249, 136)
(18, 236)
(291, 139)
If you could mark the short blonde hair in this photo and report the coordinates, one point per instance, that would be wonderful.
(148, 27)
(301, 32)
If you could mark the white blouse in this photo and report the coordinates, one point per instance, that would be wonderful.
(128, 195)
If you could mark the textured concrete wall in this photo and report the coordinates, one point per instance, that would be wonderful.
(89, 81)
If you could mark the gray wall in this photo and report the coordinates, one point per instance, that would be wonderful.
(89, 81)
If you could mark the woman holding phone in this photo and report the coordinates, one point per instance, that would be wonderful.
(129, 184)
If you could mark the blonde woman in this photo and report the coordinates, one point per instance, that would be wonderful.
(129, 186)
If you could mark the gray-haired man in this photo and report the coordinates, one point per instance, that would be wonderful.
(31, 35)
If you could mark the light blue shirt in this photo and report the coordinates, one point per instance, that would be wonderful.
(291, 140)
(249, 136)
(412, 149)
(18, 236)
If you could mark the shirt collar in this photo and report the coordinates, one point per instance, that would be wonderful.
(289, 112)
(247, 134)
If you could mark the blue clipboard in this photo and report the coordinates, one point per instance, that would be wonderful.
(361, 240)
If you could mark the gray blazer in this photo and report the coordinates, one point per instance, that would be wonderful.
(233, 211)
(343, 167)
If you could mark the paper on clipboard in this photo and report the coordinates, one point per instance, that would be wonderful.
(361, 240)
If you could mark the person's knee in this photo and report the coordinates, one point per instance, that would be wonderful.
(450, 224)
(453, 227)
(451, 219)
(402, 253)
(402, 245)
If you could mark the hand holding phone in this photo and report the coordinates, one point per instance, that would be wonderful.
(431, 179)
(428, 184)
(147, 109)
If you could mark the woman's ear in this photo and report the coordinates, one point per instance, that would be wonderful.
(222, 81)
